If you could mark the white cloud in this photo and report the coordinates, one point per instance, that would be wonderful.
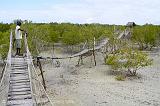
(102, 11)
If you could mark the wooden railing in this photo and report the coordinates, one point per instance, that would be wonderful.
(40, 96)
(4, 84)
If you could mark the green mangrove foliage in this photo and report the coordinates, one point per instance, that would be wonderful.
(70, 34)
(4, 39)
(147, 36)
(127, 59)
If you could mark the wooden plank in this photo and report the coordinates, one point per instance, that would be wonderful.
(19, 88)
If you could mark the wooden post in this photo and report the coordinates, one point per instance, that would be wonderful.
(40, 67)
(81, 57)
(3, 70)
(79, 60)
(94, 52)
(52, 54)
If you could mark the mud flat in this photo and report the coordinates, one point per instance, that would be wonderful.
(89, 85)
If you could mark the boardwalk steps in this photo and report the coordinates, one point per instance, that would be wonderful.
(19, 93)
(20, 84)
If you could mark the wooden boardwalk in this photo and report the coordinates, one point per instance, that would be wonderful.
(123, 35)
(19, 84)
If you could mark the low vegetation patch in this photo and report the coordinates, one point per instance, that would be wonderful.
(128, 60)
(120, 77)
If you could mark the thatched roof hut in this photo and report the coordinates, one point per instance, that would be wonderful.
(130, 24)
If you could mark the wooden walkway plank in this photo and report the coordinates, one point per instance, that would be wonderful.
(19, 93)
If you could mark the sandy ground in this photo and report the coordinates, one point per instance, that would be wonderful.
(87, 85)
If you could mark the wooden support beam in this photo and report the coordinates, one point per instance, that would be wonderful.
(80, 60)
(4, 65)
(94, 52)
(52, 52)
(40, 67)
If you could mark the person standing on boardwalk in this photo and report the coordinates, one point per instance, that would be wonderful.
(18, 37)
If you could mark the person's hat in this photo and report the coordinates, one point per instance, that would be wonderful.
(18, 22)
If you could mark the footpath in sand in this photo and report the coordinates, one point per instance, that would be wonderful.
(96, 86)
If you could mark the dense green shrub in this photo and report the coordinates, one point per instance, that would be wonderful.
(146, 36)
(129, 60)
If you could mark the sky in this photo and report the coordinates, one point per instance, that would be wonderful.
(81, 11)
